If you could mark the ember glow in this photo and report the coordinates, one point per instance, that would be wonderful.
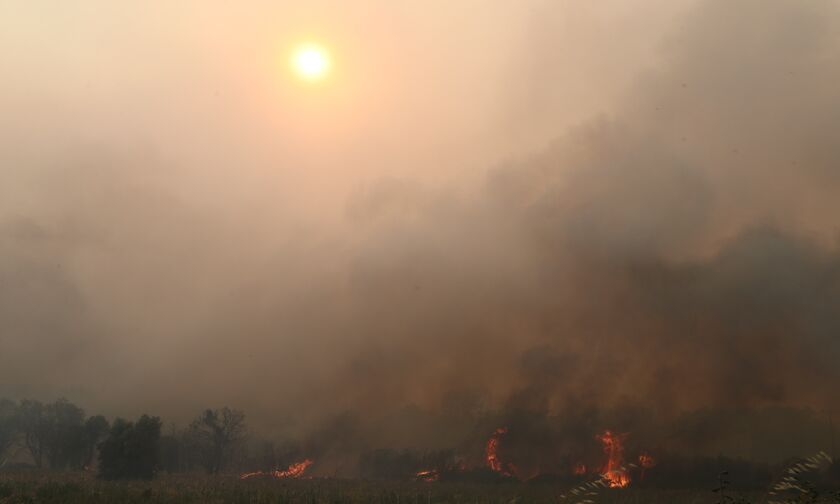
(579, 469)
(428, 475)
(494, 462)
(295, 470)
(614, 471)
(646, 461)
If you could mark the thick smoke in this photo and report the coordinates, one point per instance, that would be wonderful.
(669, 259)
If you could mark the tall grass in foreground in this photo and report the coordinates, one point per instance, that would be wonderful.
(75, 488)
(794, 486)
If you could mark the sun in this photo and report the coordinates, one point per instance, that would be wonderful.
(310, 62)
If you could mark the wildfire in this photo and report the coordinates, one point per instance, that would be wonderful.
(646, 461)
(428, 475)
(613, 471)
(493, 461)
(295, 470)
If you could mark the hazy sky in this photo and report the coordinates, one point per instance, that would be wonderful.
(523, 202)
(429, 90)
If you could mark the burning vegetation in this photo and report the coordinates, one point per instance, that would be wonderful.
(494, 461)
(614, 471)
(428, 475)
(294, 470)
(646, 461)
(532, 448)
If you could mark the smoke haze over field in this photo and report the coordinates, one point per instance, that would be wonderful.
(536, 206)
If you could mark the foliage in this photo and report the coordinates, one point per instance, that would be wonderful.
(131, 449)
(33, 425)
(173, 456)
(57, 434)
(64, 442)
(8, 427)
(94, 430)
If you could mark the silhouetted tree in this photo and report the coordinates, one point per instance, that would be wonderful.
(214, 434)
(175, 454)
(57, 433)
(131, 449)
(171, 449)
(95, 429)
(33, 425)
(64, 442)
(8, 427)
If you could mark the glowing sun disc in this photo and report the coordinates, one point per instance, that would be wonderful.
(310, 62)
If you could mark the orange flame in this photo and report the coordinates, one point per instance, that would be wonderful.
(579, 469)
(613, 471)
(428, 475)
(295, 470)
(646, 461)
(493, 461)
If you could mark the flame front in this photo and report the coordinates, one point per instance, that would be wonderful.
(295, 470)
(613, 471)
(494, 462)
(428, 475)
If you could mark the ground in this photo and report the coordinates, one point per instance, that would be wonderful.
(35, 487)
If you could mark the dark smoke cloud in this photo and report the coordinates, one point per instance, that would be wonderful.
(674, 255)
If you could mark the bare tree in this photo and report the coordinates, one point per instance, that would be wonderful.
(57, 435)
(33, 424)
(215, 433)
(8, 427)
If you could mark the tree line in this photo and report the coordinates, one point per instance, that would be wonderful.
(60, 436)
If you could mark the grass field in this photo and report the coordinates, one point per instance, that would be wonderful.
(32, 487)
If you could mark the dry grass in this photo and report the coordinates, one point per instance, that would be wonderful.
(71, 488)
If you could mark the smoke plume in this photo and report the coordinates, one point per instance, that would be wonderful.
(671, 256)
